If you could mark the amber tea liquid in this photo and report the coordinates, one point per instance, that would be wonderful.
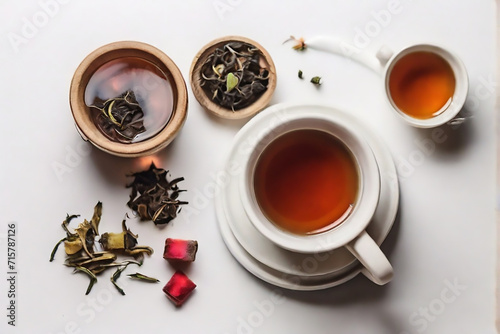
(149, 84)
(306, 181)
(422, 84)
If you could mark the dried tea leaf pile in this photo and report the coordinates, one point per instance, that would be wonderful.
(120, 118)
(82, 250)
(234, 76)
(153, 197)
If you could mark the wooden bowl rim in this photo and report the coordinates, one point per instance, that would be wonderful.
(122, 49)
(213, 107)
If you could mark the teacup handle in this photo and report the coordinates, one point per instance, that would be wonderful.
(384, 54)
(366, 250)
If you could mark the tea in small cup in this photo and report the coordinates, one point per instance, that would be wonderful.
(311, 185)
(425, 84)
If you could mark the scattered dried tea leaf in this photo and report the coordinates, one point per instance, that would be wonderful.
(300, 74)
(141, 277)
(118, 241)
(93, 278)
(82, 252)
(179, 250)
(125, 241)
(316, 80)
(235, 75)
(153, 197)
(178, 288)
(96, 218)
(70, 237)
(115, 277)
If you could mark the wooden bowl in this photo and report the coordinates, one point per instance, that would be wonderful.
(213, 107)
(81, 112)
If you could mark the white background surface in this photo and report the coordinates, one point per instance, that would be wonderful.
(446, 229)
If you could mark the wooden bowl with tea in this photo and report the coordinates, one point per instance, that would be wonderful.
(233, 77)
(128, 99)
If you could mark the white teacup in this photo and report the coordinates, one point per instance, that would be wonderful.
(349, 230)
(427, 73)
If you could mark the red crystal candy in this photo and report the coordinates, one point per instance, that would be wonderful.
(178, 250)
(179, 288)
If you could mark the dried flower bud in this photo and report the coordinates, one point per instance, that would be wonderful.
(300, 44)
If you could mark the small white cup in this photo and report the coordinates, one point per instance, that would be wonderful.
(351, 232)
(389, 59)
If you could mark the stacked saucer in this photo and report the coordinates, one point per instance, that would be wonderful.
(285, 268)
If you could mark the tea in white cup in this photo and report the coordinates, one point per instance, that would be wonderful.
(425, 84)
(311, 185)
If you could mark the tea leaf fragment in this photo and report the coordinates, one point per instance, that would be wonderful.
(93, 278)
(141, 277)
(115, 276)
(232, 82)
(52, 255)
(96, 218)
(316, 80)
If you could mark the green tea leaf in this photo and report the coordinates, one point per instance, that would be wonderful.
(231, 82)
(55, 249)
(141, 277)
(316, 80)
(115, 276)
(93, 278)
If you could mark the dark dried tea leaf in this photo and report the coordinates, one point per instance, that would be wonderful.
(153, 197)
(120, 118)
(234, 76)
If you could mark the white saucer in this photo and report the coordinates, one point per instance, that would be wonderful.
(279, 266)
